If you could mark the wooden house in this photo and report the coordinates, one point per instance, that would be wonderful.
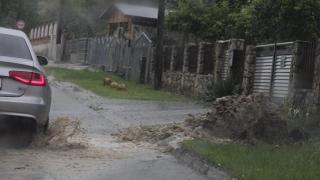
(130, 19)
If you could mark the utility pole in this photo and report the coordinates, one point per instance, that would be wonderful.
(61, 20)
(158, 64)
(61, 28)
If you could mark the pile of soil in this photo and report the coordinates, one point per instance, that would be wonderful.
(247, 118)
(167, 137)
(252, 117)
(63, 133)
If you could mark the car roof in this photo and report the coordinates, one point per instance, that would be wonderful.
(12, 32)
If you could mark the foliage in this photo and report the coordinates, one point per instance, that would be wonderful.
(222, 88)
(286, 19)
(263, 162)
(80, 17)
(13, 10)
(302, 118)
(209, 20)
(255, 20)
(93, 81)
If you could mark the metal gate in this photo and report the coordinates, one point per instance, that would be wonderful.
(273, 68)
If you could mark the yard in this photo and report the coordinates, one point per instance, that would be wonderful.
(93, 81)
(262, 162)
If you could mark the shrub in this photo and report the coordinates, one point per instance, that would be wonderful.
(221, 89)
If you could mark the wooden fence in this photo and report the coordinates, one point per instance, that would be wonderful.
(130, 59)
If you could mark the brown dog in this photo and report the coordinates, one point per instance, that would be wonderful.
(114, 85)
(107, 81)
(122, 87)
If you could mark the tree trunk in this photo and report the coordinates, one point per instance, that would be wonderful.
(159, 47)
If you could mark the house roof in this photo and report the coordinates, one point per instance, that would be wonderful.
(132, 10)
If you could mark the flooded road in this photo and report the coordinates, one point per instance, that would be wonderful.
(79, 145)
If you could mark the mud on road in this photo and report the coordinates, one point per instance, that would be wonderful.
(65, 152)
(79, 145)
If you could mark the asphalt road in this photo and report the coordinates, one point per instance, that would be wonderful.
(107, 159)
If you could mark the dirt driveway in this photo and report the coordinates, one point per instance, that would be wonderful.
(105, 158)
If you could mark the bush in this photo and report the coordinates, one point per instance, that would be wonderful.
(303, 121)
(221, 89)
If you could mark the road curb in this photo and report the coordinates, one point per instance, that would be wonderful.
(200, 165)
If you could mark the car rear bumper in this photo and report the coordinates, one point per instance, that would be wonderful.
(29, 107)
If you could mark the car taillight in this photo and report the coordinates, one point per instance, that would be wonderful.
(29, 78)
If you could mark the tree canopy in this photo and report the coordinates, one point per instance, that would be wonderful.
(254, 20)
(13, 10)
(80, 16)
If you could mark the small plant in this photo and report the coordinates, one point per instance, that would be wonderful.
(302, 118)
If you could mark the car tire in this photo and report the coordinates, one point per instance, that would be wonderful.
(46, 127)
(43, 129)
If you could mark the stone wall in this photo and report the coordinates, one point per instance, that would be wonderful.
(186, 83)
(249, 68)
(316, 79)
(200, 65)
(305, 67)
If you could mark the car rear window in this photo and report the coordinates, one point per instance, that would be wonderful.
(13, 46)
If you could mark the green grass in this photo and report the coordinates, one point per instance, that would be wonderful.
(93, 81)
(262, 162)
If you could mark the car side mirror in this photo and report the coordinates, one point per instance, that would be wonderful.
(42, 60)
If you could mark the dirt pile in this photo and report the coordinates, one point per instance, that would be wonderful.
(245, 118)
(63, 133)
(167, 137)
(252, 117)
(152, 134)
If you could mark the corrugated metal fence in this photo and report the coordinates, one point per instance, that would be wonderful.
(273, 68)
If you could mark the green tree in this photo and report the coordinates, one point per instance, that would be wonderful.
(210, 19)
(286, 19)
(81, 17)
(255, 20)
(13, 10)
